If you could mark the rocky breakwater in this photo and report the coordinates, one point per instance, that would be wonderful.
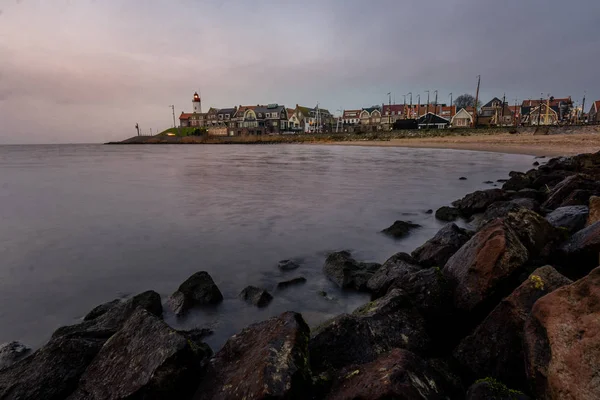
(508, 309)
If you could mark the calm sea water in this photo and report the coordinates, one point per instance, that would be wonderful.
(84, 224)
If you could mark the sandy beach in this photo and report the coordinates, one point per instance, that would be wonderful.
(542, 145)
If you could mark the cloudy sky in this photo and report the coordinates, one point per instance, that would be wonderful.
(88, 70)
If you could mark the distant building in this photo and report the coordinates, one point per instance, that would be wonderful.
(563, 107)
(370, 117)
(433, 121)
(391, 113)
(594, 114)
(271, 119)
(351, 117)
(542, 115)
(463, 118)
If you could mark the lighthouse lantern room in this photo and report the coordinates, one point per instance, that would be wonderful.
(197, 104)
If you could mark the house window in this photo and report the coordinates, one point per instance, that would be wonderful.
(259, 115)
(274, 115)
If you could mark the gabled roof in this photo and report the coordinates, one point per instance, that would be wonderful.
(230, 111)
(304, 110)
(553, 103)
(347, 112)
(184, 116)
(463, 113)
(394, 108)
(290, 111)
(242, 109)
(371, 109)
(595, 106)
(489, 103)
(431, 118)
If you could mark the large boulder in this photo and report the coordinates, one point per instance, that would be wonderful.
(517, 181)
(572, 218)
(145, 359)
(501, 209)
(400, 229)
(437, 250)
(529, 194)
(594, 211)
(288, 265)
(12, 352)
(447, 214)
(580, 254)
(101, 309)
(387, 323)
(479, 201)
(198, 290)
(482, 268)
(545, 181)
(491, 389)
(536, 233)
(396, 267)
(347, 273)
(559, 194)
(398, 374)
(495, 348)
(562, 341)
(52, 372)
(106, 323)
(267, 360)
(256, 296)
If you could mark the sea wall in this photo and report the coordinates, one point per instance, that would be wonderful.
(507, 310)
(352, 137)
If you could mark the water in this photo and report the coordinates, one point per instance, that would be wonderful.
(84, 224)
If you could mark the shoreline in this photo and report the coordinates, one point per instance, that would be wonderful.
(524, 284)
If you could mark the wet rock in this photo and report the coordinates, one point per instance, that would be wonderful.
(579, 198)
(396, 267)
(501, 209)
(579, 254)
(267, 360)
(256, 296)
(517, 181)
(382, 325)
(564, 189)
(562, 341)
(346, 272)
(535, 232)
(447, 214)
(462, 178)
(491, 389)
(52, 372)
(400, 229)
(430, 211)
(398, 374)
(489, 182)
(535, 164)
(484, 265)
(198, 290)
(437, 250)
(296, 281)
(12, 352)
(108, 323)
(495, 348)
(545, 181)
(594, 211)
(478, 201)
(158, 363)
(101, 310)
(571, 218)
(196, 335)
(288, 265)
(529, 194)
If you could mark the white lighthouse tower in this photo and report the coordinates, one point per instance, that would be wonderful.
(197, 104)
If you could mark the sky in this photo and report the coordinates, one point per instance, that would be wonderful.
(86, 71)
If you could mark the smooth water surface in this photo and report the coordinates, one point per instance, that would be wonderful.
(84, 224)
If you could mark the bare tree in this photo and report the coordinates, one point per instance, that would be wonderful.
(464, 101)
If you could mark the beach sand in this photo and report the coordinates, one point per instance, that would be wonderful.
(539, 145)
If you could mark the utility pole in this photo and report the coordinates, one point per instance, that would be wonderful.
(583, 104)
(436, 103)
(404, 107)
(515, 112)
(410, 108)
(547, 111)
(419, 106)
(540, 109)
(476, 119)
(137, 127)
(427, 112)
(451, 106)
(502, 110)
(390, 109)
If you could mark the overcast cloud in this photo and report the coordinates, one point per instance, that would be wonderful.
(87, 71)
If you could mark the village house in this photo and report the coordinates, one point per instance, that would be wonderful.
(225, 115)
(351, 117)
(320, 120)
(562, 107)
(417, 110)
(370, 117)
(260, 120)
(463, 118)
(391, 113)
(541, 115)
(300, 119)
(433, 121)
(594, 114)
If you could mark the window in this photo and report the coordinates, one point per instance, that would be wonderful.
(259, 115)
(274, 115)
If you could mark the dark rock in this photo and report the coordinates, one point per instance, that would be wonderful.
(267, 360)
(101, 310)
(346, 272)
(107, 324)
(430, 211)
(539, 157)
(288, 265)
(437, 250)
(536, 234)
(559, 195)
(517, 181)
(495, 347)
(256, 296)
(52, 372)
(579, 254)
(447, 214)
(594, 211)
(562, 337)
(462, 178)
(296, 281)
(501, 209)
(490, 389)
(12, 352)
(571, 218)
(579, 198)
(198, 290)
(396, 267)
(400, 229)
(489, 182)
(484, 265)
(535, 164)
(196, 335)
(544, 181)
(387, 323)
(529, 194)
(398, 374)
(502, 180)
(478, 201)
(158, 363)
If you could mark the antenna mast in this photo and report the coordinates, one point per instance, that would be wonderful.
(477, 100)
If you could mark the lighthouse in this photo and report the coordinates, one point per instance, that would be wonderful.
(197, 104)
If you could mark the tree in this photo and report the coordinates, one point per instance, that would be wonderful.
(464, 101)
